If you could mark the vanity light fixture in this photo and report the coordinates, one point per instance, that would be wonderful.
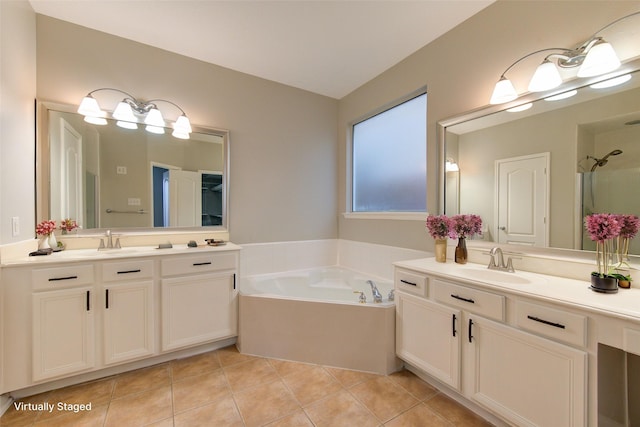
(611, 82)
(594, 57)
(562, 95)
(451, 166)
(519, 108)
(131, 111)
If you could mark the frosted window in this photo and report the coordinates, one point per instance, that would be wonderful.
(390, 160)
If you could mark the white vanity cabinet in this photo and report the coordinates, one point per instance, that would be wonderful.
(63, 321)
(515, 365)
(128, 321)
(65, 317)
(199, 299)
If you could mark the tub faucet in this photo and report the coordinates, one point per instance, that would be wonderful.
(377, 297)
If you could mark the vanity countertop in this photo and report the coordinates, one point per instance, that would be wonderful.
(624, 304)
(76, 255)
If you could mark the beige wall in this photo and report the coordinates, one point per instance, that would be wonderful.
(460, 69)
(17, 92)
(283, 140)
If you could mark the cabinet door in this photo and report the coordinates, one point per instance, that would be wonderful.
(63, 332)
(128, 321)
(529, 380)
(427, 336)
(197, 309)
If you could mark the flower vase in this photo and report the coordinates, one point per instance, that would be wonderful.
(461, 254)
(43, 243)
(441, 250)
(53, 243)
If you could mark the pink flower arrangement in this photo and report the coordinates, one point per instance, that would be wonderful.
(463, 226)
(629, 225)
(68, 224)
(45, 227)
(438, 226)
(602, 227)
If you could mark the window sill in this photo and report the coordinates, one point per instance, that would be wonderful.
(410, 216)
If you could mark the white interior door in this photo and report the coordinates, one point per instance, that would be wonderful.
(185, 198)
(523, 200)
(71, 168)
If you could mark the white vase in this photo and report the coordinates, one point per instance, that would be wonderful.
(44, 243)
(53, 243)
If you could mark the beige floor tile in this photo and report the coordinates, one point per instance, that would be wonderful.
(222, 412)
(249, 374)
(140, 409)
(198, 390)
(265, 403)
(419, 416)
(297, 419)
(312, 385)
(414, 385)
(285, 367)
(340, 409)
(93, 418)
(142, 380)
(24, 417)
(194, 365)
(97, 392)
(167, 422)
(230, 356)
(383, 397)
(349, 378)
(454, 412)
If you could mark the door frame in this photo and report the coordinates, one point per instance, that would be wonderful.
(496, 201)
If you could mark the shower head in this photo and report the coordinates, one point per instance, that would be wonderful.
(603, 161)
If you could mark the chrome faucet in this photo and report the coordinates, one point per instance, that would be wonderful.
(497, 261)
(110, 244)
(377, 297)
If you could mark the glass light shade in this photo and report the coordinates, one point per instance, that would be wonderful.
(180, 135)
(126, 125)
(154, 129)
(124, 112)
(612, 82)
(546, 77)
(519, 108)
(182, 124)
(600, 59)
(101, 121)
(503, 92)
(451, 166)
(154, 118)
(89, 107)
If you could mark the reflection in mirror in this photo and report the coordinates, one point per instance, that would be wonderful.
(533, 175)
(110, 177)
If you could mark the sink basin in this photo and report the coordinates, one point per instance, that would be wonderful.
(93, 253)
(487, 275)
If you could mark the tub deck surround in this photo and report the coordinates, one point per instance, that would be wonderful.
(314, 316)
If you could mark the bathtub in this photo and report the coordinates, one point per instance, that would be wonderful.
(314, 316)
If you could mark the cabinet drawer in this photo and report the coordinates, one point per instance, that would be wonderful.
(410, 282)
(61, 277)
(198, 263)
(553, 323)
(473, 300)
(128, 270)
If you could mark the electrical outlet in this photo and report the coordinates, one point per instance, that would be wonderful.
(15, 226)
(121, 170)
(132, 201)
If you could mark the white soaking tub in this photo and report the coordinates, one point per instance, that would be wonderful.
(315, 316)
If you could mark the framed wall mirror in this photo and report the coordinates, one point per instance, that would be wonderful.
(533, 175)
(108, 177)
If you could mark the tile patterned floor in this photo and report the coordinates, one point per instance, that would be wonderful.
(225, 388)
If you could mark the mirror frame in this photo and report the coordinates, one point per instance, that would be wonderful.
(577, 83)
(43, 174)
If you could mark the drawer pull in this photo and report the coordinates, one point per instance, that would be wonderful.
(463, 299)
(106, 298)
(57, 279)
(546, 322)
(470, 330)
(234, 281)
(88, 303)
(129, 271)
(408, 283)
(453, 324)
(202, 263)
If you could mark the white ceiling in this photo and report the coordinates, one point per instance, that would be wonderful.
(326, 47)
